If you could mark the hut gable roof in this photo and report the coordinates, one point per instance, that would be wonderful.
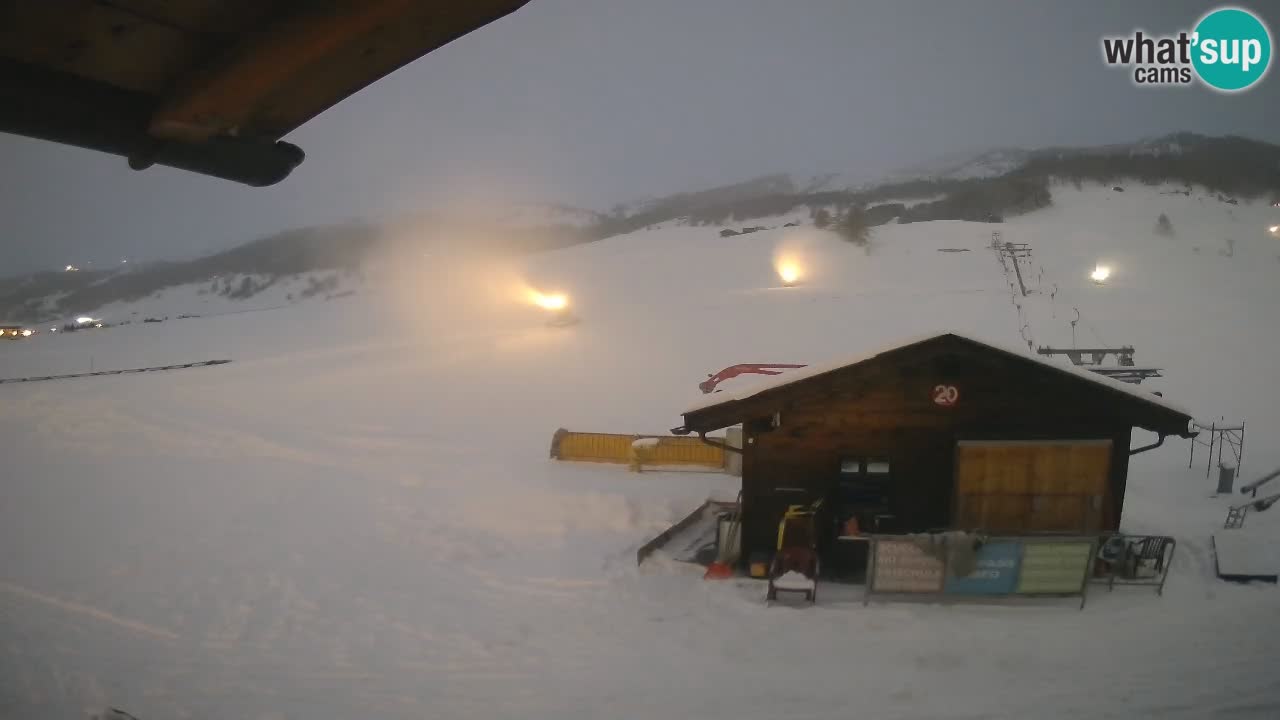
(1170, 413)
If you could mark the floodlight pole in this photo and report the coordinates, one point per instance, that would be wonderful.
(1017, 269)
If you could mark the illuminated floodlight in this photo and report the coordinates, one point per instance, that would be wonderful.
(789, 272)
(556, 301)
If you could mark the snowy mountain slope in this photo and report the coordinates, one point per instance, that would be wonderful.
(289, 257)
(357, 516)
(546, 214)
(968, 166)
(983, 164)
(996, 162)
(999, 183)
(218, 296)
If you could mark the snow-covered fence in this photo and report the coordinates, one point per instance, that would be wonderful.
(41, 378)
(637, 451)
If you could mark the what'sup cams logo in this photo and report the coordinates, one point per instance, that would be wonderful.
(1229, 50)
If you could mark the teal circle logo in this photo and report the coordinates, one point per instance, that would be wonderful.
(1232, 49)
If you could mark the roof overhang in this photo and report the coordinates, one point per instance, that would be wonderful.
(209, 86)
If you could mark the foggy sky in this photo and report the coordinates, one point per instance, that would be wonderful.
(592, 102)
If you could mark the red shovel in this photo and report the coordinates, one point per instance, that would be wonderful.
(718, 571)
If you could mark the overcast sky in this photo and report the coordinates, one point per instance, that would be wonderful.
(592, 102)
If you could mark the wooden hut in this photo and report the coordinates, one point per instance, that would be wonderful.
(945, 432)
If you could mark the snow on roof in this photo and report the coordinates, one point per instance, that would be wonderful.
(804, 373)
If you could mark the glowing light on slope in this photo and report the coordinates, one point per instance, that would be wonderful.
(789, 271)
(549, 301)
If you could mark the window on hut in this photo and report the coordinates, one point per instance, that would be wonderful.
(862, 493)
(878, 466)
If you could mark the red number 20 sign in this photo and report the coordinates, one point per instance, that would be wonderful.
(946, 395)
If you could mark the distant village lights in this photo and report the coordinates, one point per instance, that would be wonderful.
(1100, 274)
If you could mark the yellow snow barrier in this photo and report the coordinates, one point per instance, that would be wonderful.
(652, 450)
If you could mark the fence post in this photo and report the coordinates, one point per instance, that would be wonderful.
(1191, 460)
(1222, 442)
(1240, 457)
(635, 461)
(871, 570)
(946, 563)
(1213, 431)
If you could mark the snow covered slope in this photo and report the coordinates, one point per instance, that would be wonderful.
(218, 297)
(357, 517)
(1000, 161)
(968, 166)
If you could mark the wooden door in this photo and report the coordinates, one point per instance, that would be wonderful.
(1031, 486)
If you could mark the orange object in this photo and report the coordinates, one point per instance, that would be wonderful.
(718, 571)
(851, 526)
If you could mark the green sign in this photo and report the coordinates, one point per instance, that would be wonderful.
(1054, 568)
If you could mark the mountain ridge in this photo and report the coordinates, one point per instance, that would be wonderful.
(986, 187)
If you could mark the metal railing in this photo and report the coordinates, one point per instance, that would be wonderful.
(1253, 486)
(1237, 513)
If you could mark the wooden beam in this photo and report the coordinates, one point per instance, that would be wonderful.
(222, 96)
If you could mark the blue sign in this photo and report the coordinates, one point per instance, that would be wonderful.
(996, 573)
